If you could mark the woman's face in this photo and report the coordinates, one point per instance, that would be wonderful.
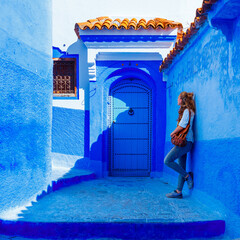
(179, 101)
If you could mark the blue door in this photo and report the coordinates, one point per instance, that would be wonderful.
(131, 129)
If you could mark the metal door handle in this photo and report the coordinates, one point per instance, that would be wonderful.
(130, 112)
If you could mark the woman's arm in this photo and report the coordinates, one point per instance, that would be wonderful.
(178, 129)
(183, 123)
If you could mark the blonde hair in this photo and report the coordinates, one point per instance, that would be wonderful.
(187, 103)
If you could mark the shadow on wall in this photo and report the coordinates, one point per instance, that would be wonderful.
(70, 137)
(70, 131)
(25, 164)
(97, 154)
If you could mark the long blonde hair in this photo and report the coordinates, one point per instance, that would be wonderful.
(187, 103)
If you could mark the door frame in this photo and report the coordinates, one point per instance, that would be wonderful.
(121, 84)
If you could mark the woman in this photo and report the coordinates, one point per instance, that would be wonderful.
(186, 103)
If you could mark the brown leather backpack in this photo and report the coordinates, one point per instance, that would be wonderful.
(179, 139)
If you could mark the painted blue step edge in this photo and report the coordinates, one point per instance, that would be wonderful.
(65, 182)
(122, 230)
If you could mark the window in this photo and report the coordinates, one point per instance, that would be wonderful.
(64, 77)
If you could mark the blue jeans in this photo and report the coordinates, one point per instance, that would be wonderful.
(181, 154)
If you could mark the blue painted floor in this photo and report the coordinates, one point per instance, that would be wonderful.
(116, 200)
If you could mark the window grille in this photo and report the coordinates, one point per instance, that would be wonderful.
(64, 77)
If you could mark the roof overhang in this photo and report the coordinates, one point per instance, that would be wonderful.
(128, 38)
(105, 33)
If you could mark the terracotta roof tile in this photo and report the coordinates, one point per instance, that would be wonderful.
(107, 23)
(201, 16)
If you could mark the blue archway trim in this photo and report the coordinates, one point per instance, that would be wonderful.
(127, 73)
(147, 69)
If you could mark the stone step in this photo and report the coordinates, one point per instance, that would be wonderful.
(62, 177)
(131, 229)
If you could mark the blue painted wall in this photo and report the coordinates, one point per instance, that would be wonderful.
(109, 73)
(209, 67)
(26, 96)
(70, 138)
(70, 119)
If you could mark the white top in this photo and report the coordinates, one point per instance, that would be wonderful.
(184, 122)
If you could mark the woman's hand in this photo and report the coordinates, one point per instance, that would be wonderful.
(178, 129)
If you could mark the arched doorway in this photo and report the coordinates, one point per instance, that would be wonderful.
(130, 124)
